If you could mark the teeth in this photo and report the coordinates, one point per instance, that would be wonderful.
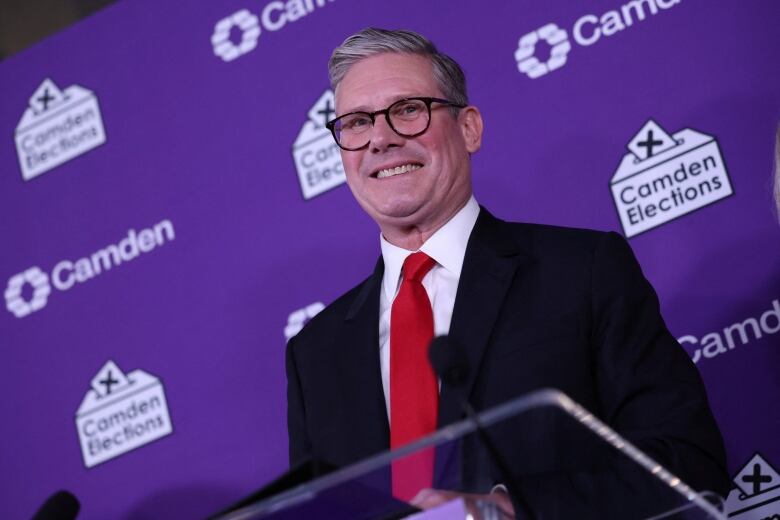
(381, 174)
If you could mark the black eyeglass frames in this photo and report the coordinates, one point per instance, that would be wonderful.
(408, 117)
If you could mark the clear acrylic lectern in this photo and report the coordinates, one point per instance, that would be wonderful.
(562, 462)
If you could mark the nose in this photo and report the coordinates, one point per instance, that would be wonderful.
(383, 136)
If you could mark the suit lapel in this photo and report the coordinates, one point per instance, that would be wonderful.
(361, 368)
(491, 262)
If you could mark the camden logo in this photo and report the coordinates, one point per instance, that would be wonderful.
(317, 156)
(663, 177)
(14, 301)
(587, 30)
(529, 64)
(121, 413)
(237, 34)
(757, 492)
(57, 126)
(299, 318)
(753, 329)
(249, 27)
(66, 273)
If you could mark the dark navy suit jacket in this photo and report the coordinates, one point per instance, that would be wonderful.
(537, 306)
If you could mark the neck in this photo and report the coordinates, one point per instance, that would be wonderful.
(412, 237)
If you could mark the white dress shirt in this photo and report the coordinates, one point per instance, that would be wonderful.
(448, 247)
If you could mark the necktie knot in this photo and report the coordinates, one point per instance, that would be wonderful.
(417, 265)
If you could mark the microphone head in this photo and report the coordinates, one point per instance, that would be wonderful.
(449, 360)
(62, 505)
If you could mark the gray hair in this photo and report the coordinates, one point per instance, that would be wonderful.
(371, 41)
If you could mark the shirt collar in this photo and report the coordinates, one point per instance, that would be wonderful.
(447, 246)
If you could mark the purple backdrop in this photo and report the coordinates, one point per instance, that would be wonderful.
(178, 150)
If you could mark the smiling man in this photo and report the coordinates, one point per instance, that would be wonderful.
(534, 306)
(410, 186)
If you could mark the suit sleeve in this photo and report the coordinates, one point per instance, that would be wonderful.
(649, 391)
(299, 444)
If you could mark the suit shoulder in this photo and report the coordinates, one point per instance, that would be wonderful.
(546, 238)
(327, 320)
(605, 256)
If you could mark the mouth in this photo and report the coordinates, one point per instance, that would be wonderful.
(396, 170)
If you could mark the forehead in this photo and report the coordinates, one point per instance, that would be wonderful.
(376, 81)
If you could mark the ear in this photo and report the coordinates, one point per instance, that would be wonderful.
(470, 123)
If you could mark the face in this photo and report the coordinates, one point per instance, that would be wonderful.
(435, 171)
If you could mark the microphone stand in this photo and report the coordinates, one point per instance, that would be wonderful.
(450, 363)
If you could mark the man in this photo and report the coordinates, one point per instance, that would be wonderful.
(534, 306)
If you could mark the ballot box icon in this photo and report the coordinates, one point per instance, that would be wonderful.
(757, 492)
(57, 126)
(665, 176)
(317, 156)
(121, 413)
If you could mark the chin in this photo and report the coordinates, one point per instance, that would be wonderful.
(406, 219)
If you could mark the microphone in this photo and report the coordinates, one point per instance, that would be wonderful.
(451, 363)
(62, 505)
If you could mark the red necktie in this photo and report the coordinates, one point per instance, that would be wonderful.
(414, 389)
